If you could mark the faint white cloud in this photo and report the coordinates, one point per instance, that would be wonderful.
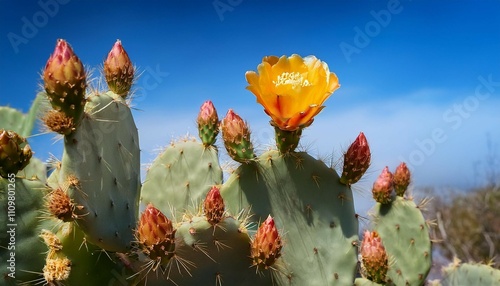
(395, 128)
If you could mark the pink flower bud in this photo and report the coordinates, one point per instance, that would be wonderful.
(156, 234)
(65, 81)
(374, 257)
(267, 244)
(119, 70)
(383, 186)
(236, 137)
(402, 179)
(214, 206)
(356, 160)
(208, 123)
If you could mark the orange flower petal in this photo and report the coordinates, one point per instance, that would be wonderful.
(292, 89)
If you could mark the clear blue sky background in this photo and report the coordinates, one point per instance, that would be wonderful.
(412, 73)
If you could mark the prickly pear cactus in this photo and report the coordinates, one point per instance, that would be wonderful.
(71, 260)
(313, 210)
(458, 273)
(217, 254)
(100, 166)
(181, 176)
(405, 235)
(281, 218)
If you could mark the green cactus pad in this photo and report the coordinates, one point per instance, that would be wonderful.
(208, 254)
(457, 274)
(101, 169)
(88, 262)
(22, 124)
(405, 235)
(27, 197)
(313, 212)
(180, 177)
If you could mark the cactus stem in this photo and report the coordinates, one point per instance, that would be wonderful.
(287, 141)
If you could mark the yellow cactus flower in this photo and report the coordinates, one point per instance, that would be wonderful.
(292, 89)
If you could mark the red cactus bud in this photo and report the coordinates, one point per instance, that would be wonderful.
(156, 234)
(383, 186)
(119, 70)
(214, 206)
(15, 153)
(401, 179)
(356, 160)
(236, 137)
(267, 244)
(208, 123)
(65, 81)
(374, 257)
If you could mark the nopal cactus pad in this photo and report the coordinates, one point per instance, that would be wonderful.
(457, 274)
(313, 210)
(86, 261)
(211, 254)
(181, 176)
(405, 235)
(101, 166)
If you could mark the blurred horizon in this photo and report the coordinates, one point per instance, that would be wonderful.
(421, 79)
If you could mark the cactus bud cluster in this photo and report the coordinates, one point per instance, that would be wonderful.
(15, 153)
(356, 160)
(156, 234)
(374, 257)
(119, 70)
(208, 123)
(387, 182)
(267, 244)
(236, 135)
(65, 81)
(214, 206)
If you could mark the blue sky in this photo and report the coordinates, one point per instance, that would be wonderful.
(421, 79)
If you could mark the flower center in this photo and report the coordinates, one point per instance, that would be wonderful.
(292, 78)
